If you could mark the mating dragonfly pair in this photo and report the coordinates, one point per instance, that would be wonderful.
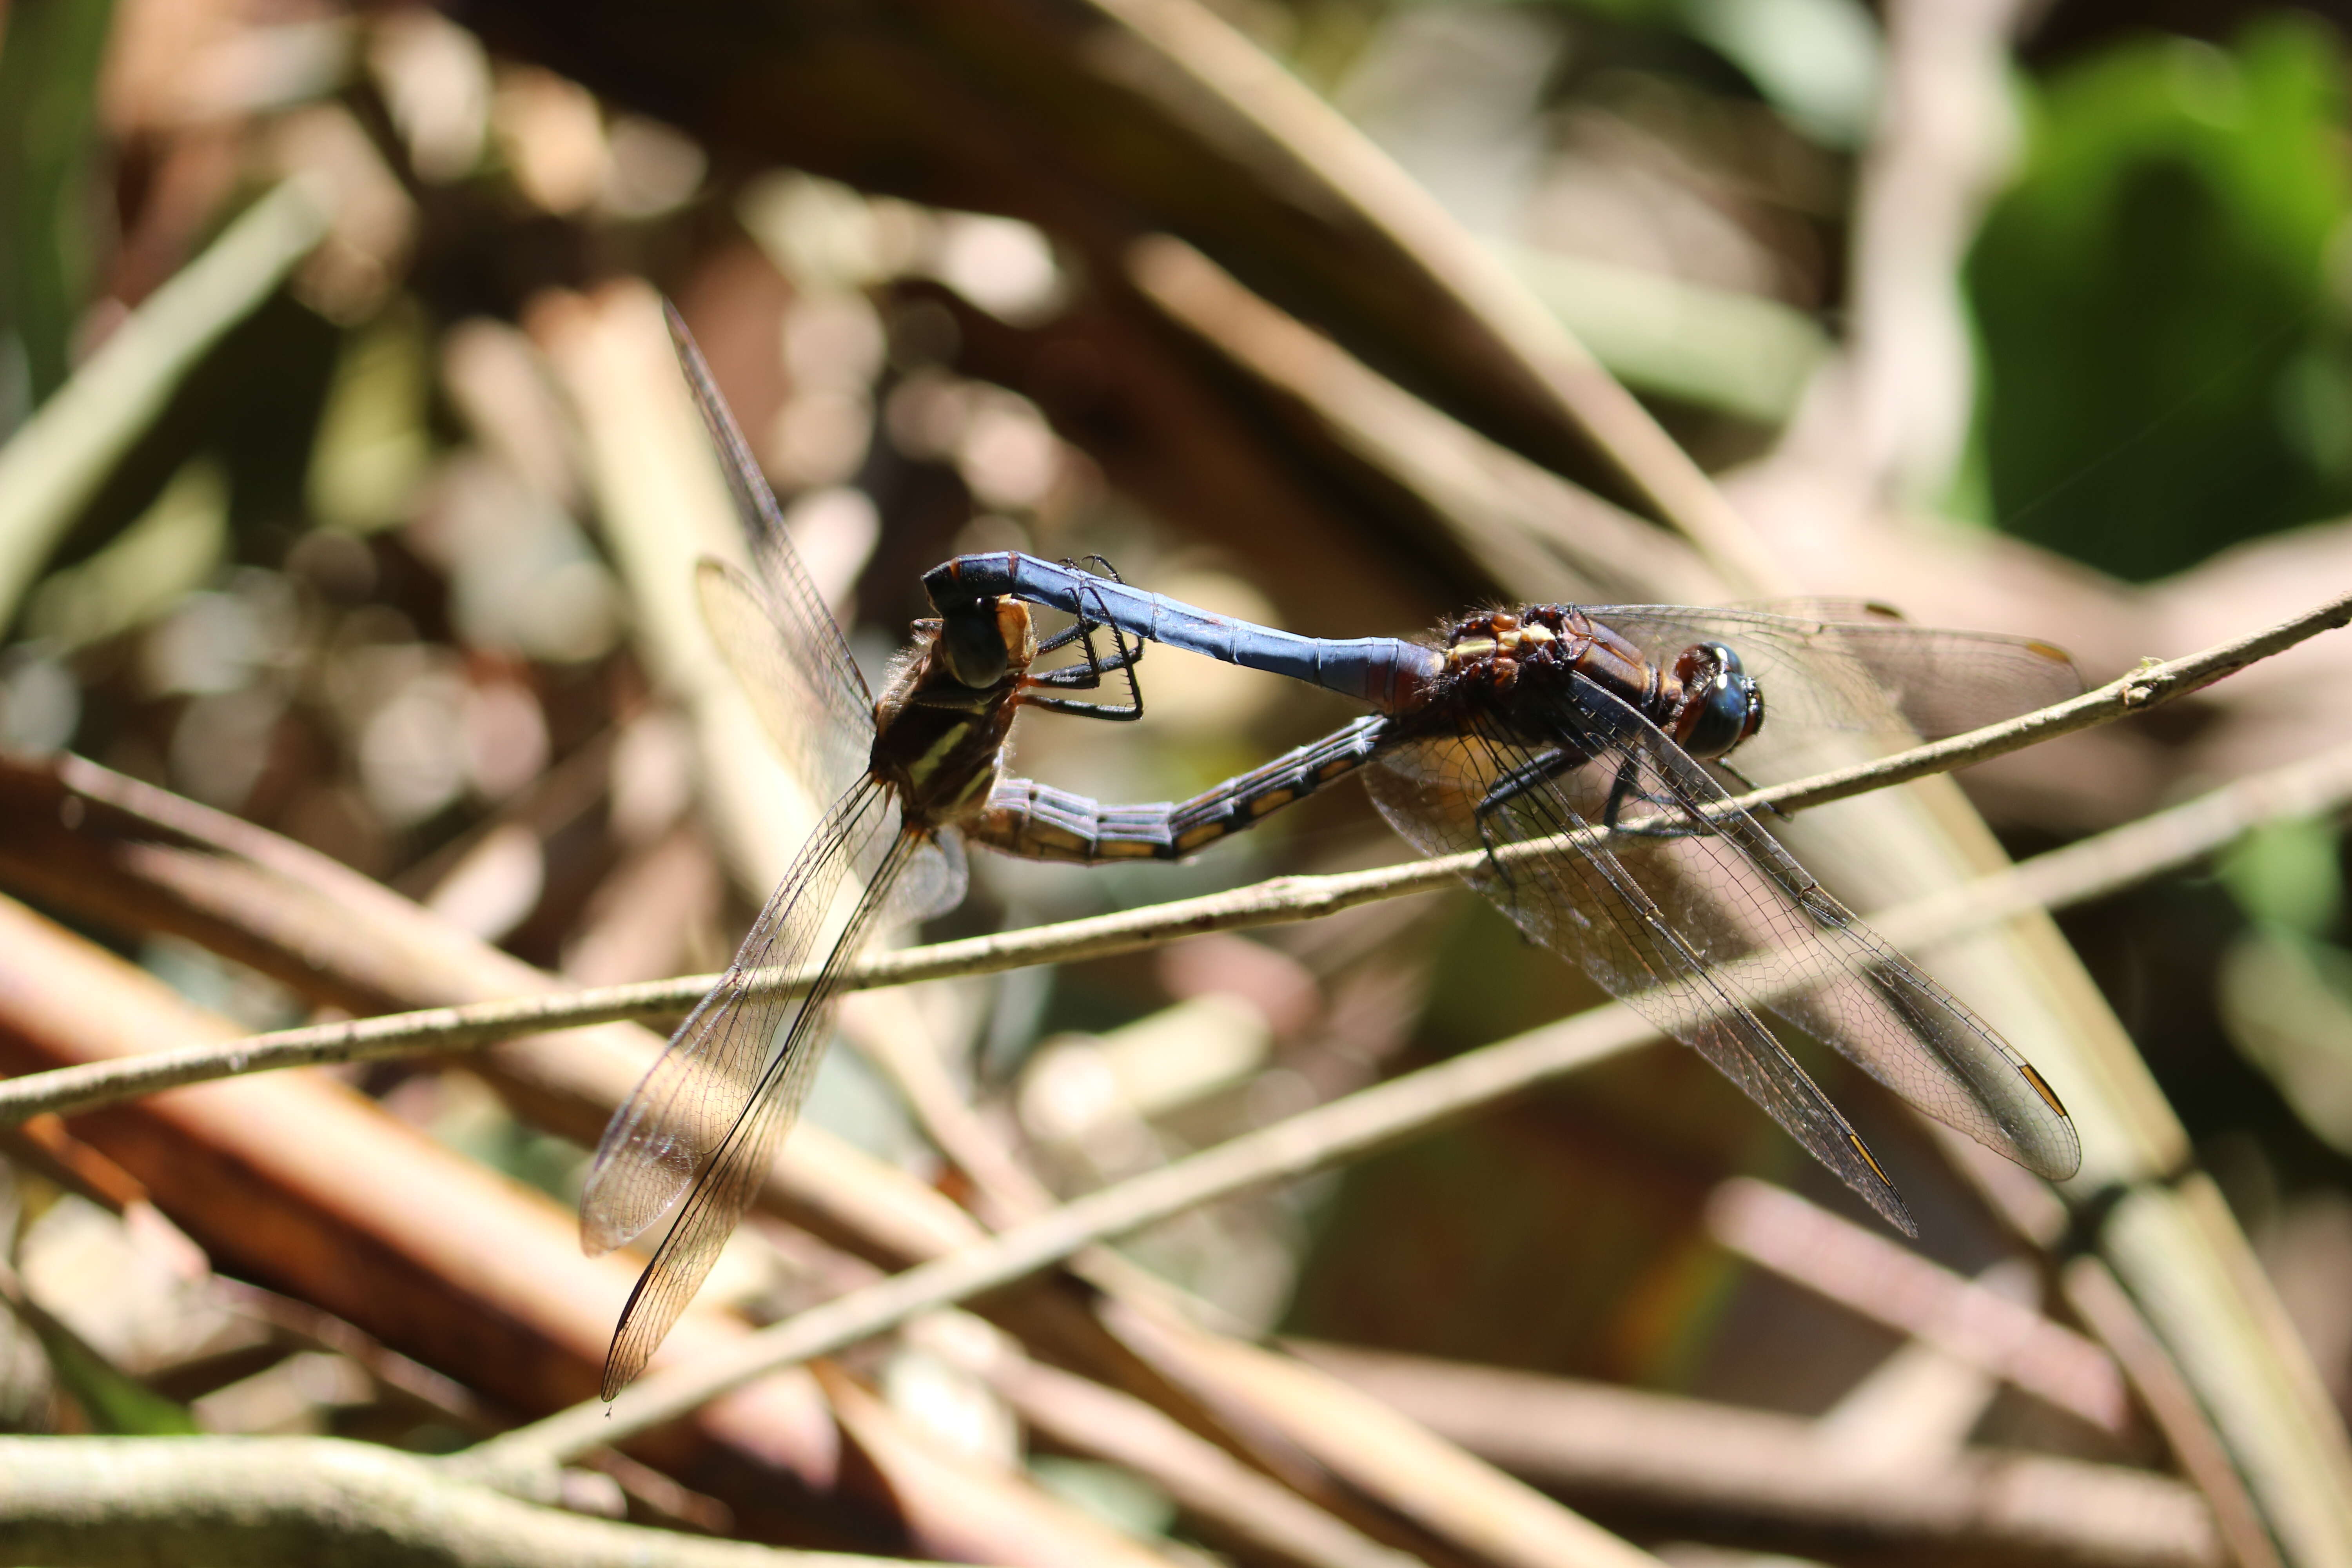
(1569, 746)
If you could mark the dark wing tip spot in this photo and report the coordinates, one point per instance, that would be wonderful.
(1868, 1158)
(2041, 1087)
(1887, 1201)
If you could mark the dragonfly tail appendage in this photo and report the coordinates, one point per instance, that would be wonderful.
(1379, 671)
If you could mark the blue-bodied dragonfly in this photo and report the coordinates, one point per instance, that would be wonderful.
(907, 777)
(1519, 733)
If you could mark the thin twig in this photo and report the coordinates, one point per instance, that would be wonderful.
(1349, 1128)
(1882, 1280)
(1517, 518)
(1277, 901)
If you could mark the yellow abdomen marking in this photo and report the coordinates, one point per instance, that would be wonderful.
(1270, 801)
(1207, 833)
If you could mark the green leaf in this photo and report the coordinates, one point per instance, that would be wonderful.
(2287, 874)
(2167, 361)
(116, 1403)
(50, 62)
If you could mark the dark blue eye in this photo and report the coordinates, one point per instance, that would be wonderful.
(1721, 706)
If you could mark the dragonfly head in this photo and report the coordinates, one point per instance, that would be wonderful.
(981, 640)
(1721, 704)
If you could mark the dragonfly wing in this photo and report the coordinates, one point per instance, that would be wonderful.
(811, 639)
(661, 1141)
(1948, 682)
(1590, 904)
(934, 881)
(730, 1173)
(1873, 672)
(1707, 922)
(826, 746)
(1775, 938)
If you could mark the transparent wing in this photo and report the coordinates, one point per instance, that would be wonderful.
(827, 748)
(663, 1138)
(810, 640)
(1704, 924)
(933, 883)
(730, 1174)
(1869, 671)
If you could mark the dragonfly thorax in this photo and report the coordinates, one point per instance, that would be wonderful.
(1521, 656)
(1497, 660)
(943, 717)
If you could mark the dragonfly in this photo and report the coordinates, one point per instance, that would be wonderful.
(910, 777)
(1575, 750)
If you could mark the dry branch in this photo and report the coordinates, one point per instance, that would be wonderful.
(1518, 520)
(300, 1182)
(140, 859)
(1002, 109)
(1392, 1455)
(1232, 1503)
(2099, 1298)
(1349, 1128)
(1282, 900)
(1867, 1273)
(254, 1502)
(1599, 1443)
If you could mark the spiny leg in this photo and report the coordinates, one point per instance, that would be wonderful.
(1086, 624)
(1668, 820)
(1087, 677)
(1750, 786)
(1512, 785)
(1624, 787)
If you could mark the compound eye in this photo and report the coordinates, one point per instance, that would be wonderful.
(1721, 706)
(971, 643)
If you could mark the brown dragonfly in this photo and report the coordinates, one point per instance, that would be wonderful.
(908, 775)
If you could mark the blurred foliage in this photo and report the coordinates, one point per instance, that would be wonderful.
(49, 207)
(2164, 296)
(2287, 874)
(109, 1400)
(1817, 61)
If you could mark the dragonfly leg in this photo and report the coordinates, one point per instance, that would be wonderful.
(1744, 782)
(1088, 676)
(1625, 787)
(1086, 623)
(1513, 784)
